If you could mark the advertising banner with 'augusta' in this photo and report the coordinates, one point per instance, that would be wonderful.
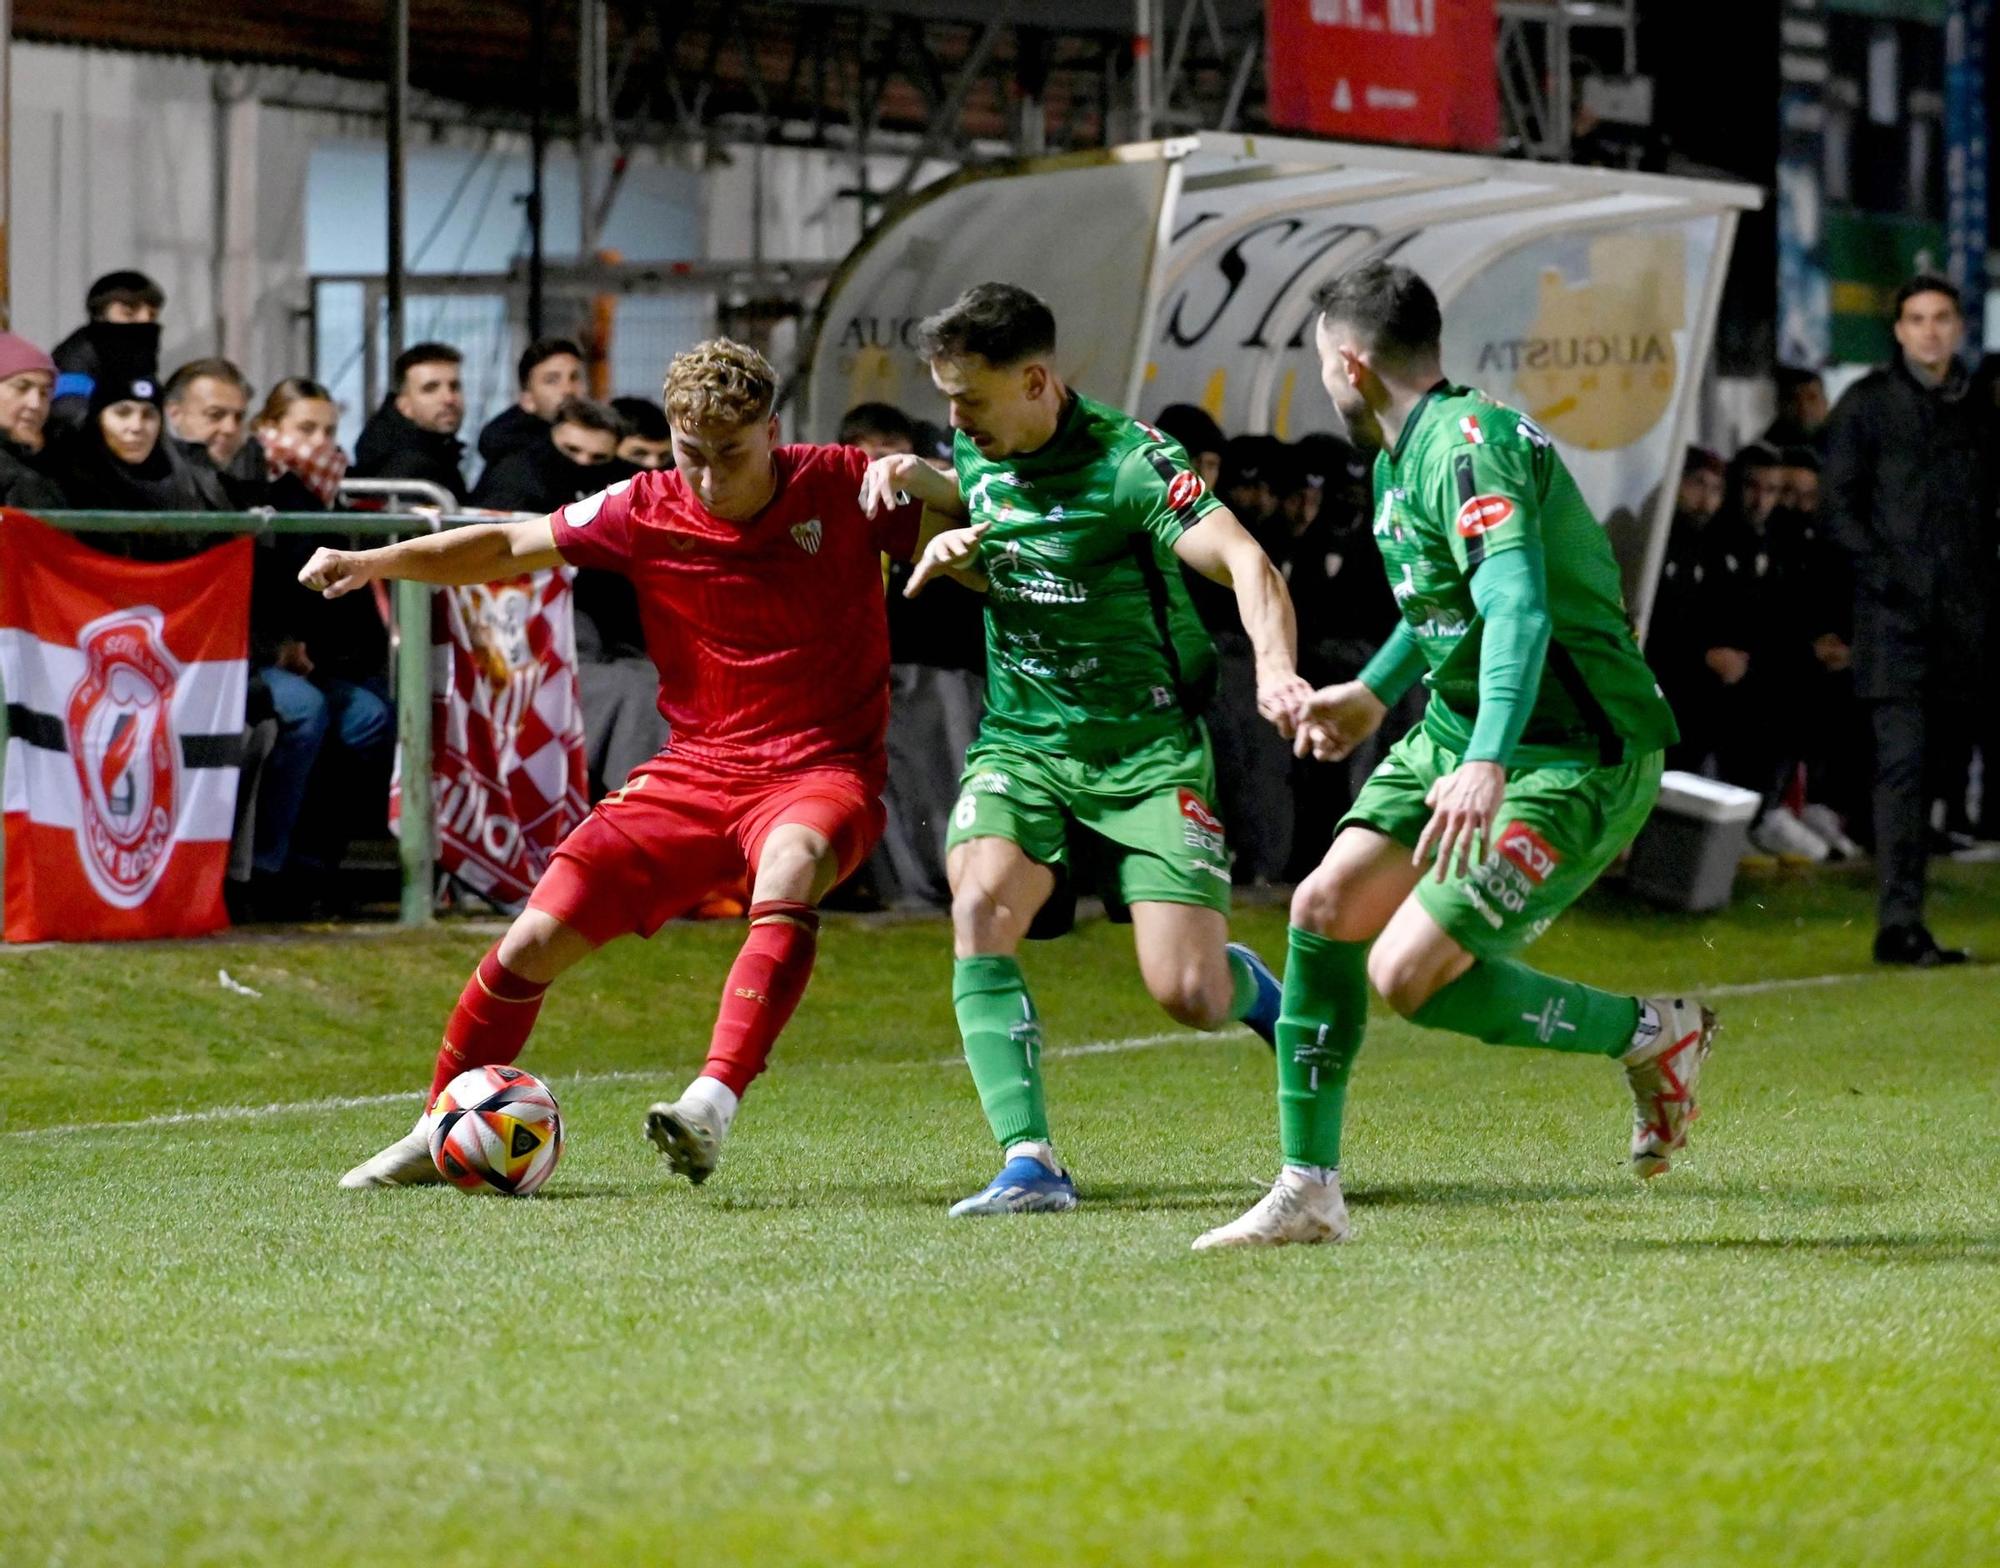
(125, 685)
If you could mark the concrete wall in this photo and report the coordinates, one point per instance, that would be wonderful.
(114, 163)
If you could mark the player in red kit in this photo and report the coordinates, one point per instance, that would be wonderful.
(760, 590)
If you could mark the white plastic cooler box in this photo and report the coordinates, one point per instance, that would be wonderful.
(1686, 855)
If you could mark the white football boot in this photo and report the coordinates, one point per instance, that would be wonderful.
(689, 1132)
(1298, 1209)
(405, 1163)
(1663, 1069)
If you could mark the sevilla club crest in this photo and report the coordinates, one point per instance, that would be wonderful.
(120, 727)
(807, 535)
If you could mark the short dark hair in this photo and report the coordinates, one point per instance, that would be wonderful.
(1191, 426)
(1927, 283)
(1759, 454)
(999, 322)
(876, 419)
(643, 418)
(130, 289)
(421, 354)
(1800, 457)
(541, 351)
(1794, 379)
(592, 416)
(204, 369)
(1391, 307)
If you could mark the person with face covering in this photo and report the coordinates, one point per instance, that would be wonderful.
(120, 340)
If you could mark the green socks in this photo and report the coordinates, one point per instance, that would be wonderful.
(1319, 1034)
(1505, 1003)
(1003, 1046)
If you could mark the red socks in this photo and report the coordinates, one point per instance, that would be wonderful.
(495, 1013)
(764, 986)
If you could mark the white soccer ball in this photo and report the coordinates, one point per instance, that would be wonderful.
(496, 1129)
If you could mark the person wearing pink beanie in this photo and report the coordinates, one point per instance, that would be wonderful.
(27, 384)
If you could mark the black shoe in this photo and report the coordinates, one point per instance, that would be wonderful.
(1916, 946)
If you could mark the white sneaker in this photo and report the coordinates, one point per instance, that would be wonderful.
(1297, 1209)
(1663, 1070)
(688, 1131)
(405, 1163)
(1825, 821)
(1779, 832)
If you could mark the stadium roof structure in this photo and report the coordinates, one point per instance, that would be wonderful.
(1184, 270)
(676, 69)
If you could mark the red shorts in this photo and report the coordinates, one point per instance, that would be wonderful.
(679, 831)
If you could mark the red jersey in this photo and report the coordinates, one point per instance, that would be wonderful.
(770, 636)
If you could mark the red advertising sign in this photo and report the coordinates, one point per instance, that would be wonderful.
(1420, 72)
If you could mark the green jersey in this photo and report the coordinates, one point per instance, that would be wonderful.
(1093, 647)
(1469, 479)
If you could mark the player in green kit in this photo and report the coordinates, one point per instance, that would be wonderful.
(1097, 670)
(1538, 760)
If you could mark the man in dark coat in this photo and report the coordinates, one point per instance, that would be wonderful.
(414, 435)
(1907, 492)
(551, 373)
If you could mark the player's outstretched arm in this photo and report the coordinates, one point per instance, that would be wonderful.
(1222, 550)
(481, 553)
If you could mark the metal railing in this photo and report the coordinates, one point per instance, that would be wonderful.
(416, 841)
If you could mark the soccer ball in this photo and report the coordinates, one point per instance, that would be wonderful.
(496, 1129)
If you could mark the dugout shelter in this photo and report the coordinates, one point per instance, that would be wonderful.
(1182, 271)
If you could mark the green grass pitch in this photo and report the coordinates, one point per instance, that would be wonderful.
(1785, 1351)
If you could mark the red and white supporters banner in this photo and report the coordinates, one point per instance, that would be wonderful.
(508, 771)
(125, 683)
(1419, 72)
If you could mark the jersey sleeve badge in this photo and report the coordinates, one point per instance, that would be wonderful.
(1185, 489)
(1482, 514)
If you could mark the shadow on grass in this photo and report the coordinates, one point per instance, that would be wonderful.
(1420, 1194)
(1890, 1248)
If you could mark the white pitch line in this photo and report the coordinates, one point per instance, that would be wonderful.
(1137, 1042)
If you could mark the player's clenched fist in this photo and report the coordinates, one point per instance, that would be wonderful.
(335, 572)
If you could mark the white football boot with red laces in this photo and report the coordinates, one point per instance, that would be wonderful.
(1663, 1069)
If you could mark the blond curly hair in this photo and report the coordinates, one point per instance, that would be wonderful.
(720, 382)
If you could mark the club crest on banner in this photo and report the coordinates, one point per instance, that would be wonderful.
(807, 535)
(119, 726)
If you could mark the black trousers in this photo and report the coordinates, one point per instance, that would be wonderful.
(1913, 736)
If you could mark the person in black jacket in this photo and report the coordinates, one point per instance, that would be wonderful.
(1908, 494)
(119, 341)
(414, 435)
(27, 383)
(551, 373)
(575, 455)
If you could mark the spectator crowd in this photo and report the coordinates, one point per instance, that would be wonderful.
(1819, 626)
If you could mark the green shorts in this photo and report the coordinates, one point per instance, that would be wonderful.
(1162, 841)
(1558, 828)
